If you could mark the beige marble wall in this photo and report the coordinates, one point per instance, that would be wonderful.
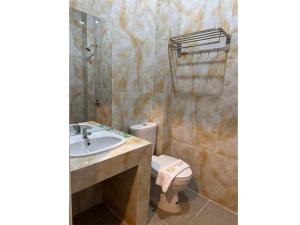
(198, 123)
(198, 126)
(204, 123)
(132, 55)
(140, 66)
(76, 100)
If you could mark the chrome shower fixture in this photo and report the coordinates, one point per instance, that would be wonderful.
(92, 45)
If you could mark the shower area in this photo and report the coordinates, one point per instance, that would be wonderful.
(90, 84)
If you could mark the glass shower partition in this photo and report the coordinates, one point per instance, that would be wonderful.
(90, 68)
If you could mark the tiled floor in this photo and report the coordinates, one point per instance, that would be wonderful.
(195, 210)
(98, 215)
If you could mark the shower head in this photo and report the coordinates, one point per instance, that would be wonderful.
(92, 45)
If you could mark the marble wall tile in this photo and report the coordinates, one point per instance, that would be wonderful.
(174, 23)
(118, 116)
(139, 108)
(216, 120)
(99, 8)
(91, 73)
(104, 111)
(76, 105)
(104, 80)
(76, 71)
(162, 20)
(227, 147)
(75, 33)
(234, 17)
(204, 122)
(220, 173)
(230, 91)
(226, 14)
(198, 15)
(233, 53)
(183, 115)
(162, 80)
(76, 100)
(200, 75)
(106, 46)
(130, 108)
(133, 60)
(215, 175)
(160, 111)
(186, 152)
(135, 18)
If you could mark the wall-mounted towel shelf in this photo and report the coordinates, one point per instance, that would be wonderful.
(192, 63)
(205, 41)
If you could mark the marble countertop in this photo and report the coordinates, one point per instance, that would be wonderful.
(132, 144)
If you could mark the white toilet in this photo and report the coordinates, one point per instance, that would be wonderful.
(168, 201)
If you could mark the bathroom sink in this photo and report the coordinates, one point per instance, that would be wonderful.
(98, 142)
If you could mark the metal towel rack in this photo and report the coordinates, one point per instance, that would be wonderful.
(200, 42)
(187, 49)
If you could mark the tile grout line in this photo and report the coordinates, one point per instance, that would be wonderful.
(212, 201)
(198, 212)
(198, 194)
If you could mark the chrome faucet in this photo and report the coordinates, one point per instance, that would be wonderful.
(77, 129)
(85, 134)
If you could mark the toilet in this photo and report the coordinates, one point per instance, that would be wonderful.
(168, 201)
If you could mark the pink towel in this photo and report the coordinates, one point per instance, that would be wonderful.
(167, 174)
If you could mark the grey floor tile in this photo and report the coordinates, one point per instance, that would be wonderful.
(213, 214)
(154, 198)
(109, 219)
(91, 215)
(153, 217)
(190, 204)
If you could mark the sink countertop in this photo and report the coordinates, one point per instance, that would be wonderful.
(127, 166)
(132, 144)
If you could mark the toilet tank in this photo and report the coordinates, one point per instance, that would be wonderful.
(145, 131)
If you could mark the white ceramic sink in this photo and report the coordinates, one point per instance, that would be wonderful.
(99, 142)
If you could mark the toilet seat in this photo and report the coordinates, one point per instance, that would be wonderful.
(162, 160)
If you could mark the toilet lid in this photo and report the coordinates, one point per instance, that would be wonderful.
(143, 126)
(162, 160)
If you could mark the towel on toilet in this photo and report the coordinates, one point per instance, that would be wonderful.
(167, 174)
